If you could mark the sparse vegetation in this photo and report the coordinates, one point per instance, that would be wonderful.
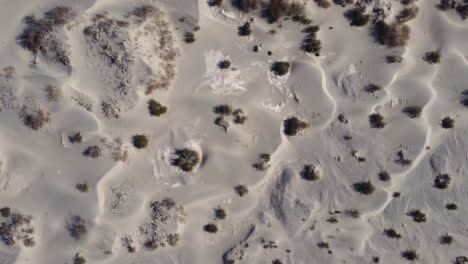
(401, 160)
(247, 5)
(460, 260)
(79, 259)
(447, 122)
(391, 233)
(140, 141)
(280, 68)
(407, 14)
(292, 126)
(75, 138)
(432, 57)
(262, 163)
(16, 227)
(384, 176)
(376, 120)
(323, 3)
(239, 117)
(223, 109)
(394, 35)
(442, 181)
(224, 64)
(393, 59)
(186, 159)
(215, 2)
(244, 30)
(343, 3)
(353, 213)
(219, 121)
(155, 108)
(365, 187)
(5, 212)
(76, 227)
(309, 173)
(219, 213)
(446, 239)
(311, 43)
(323, 244)
(210, 228)
(241, 190)
(372, 88)
(92, 152)
(410, 255)
(189, 37)
(53, 93)
(412, 111)
(417, 216)
(451, 207)
(276, 9)
(357, 16)
(82, 187)
(35, 120)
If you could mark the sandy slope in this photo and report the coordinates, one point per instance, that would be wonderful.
(103, 94)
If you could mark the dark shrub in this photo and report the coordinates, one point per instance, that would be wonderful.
(375, 259)
(407, 2)
(357, 17)
(34, 36)
(396, 194)
(393, 59)
(342, 119)
(309, 173)
(432, 57)
(451, 206)
(462, 10)
(76, 227)
(310, 43)
(417, 216)
(186, 159)
(460, 260)
(75, 138)
(239, 117)
(155, 108)
(276, 261)
(224, 64)
(292, 125)
(210, 228)
(376, 121)
(353, 213)
(410, 255)
(365, 188)
(446, 239)
(262, 162)
(140, 141)
(394, 35)
(5, 212)
(35, 120)
(447, 122)
(407, 14)
(412, 111)
(247, 5)
(93, 152)
(280, 68)
(442, 181)
(343, 3)
(143, 12)
(322, 3)
(384, 176)
(173, 239)
(391, 233)
(244, 30)
(401, 160)
(223, 109)
(332, 220)
(219, 213)
(446, 5)
(276, 9)
(372, 88)
(219, 121)
(214, 2)
(82, 187)
(241, 190)
(79, 259)
(323, 244)
(189, 37)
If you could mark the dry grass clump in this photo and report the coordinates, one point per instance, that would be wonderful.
(9, 72)
(75, 138)
(357, 16)
(244, 30)
(460, 260)
(292, 126)
(140, 141)
(432, 57)
(391, 233)
(410, 255)
(16, 227)
(407, 14)
(53, 93)
(417, 216)
(372, 88)
(35, 119)
(263, 162)
(393, 35)
(82, 187)
(447, 122)
(110, 108)
(311, 43)
(186, 159)
(309, 173)
(442, 181)
(241, 190)
(76, 227)
(239, 116)
(376, 120)
(155, 108)
(77, 259)
(280, 68)
(412, 111)
(224, 111)
(365, 188)
(92, 152)
(210, 228)
(323, 3)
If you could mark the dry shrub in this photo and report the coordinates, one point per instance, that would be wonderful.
(76, 227)
(276, 9)
(417, 216)
(407, 14)
(410, 255)
(247, 5)
(394, 35)
(140, 141)
(241, 190)
(244, 30)
(53, 93)
(92, 152)
(376, 120)
(186, 159)
(143, 12)
(357, 17)
(462, 10)
(365, 188)
(309, 173)
(447, 122)
(36, 119)
(432, 57)
(292, 126)
(224, 64)
(10, 72)
(372, 88)
(214, 2)
(155, 108)
(280, 68)
(442, 181)
(262, 163)
(219, 214)
(189, 37)
(239, 117)
(210, 228)
(407, 2)
(391, 233)
(412, 111)
(323, 3)
(393, 59)
(343, 3)
(75, 138)
(310, 43)
(77, 259)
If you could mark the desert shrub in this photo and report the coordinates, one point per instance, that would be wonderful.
(322, 3)
(304, 20)
(77, 259)
(92, 152)
(173, 239)
(407, 2)
(224, 64)
(446, 239)
(186, 159)
(343, 3)
(396, 194)
(292, 125)
(323, 244)
(241, 190)
(372, 88)
(391, 233)
(394, 35)
(75, 138)
(432, 57)
(262, 163)
(442, 181)
(59, 15)
(223, 109)
(412, 111)
(53, 94)
(353, 213)
(447, 122)
(155, 108)
(384, 176)
(214, 2)
(342, 119)
(140, 141)
(393, 59)
(451, 206)
(210, 228)
(462, 10)
(189, 37)
(365, 188)
(219, 121)
(309, 173)
(276, 261)
(332, 220)
(219, 214)
(244, 30)
(407, 14)
(401, 160)
(82, 187)
(376, 120)
(460, 260)
(276, 9)
(410, 255)
(375, 259)
(446, 4)
(5, 211)
(76, 227)
(310, 43)
(280, 68)
(143, 12)
(35, 120)
(417, 216)
(239, 117)
(16, 227)
(110, 109)
(247, 5)
(357, 16)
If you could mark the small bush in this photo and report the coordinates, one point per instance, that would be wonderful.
(53, 93)
(391, 233)
(239, 117)
(219, 214)
(214, 2)
(280, 68)
(75, 138)
(384, 176)
(394, 35)
(322, 3)
(35, 120)
(410, 255)
(376, 121)
(407, 14)
(5, 212)
(82, 187)
(432, 57)
(140, 141)
(92, 152)
(244, 30)
(332, 220)
(407, 2)
(262, 162)
(223, 109)
(462, 10)
(309, 173)
(276, 261)
(460, 260)
(446, 239)
(442, 181)
(210, 228)
(155, 108)
(353, 213)
(445, 5)
(219, 121)
(224, 64)
(372, 88)
(393, 59)
(247, 5)
(189, 37)
(343, 3)
(323, 244)
(76, 227)
(186, 159)
(79, 259)
(357, 17)
(292, 125)
(396, 194)
(451, 206)
(412, 111)
(173, 239)
(401, 160)
(447, 122)
(417, 216)
(365, 188)
(311, 44)
(241, 190)
(276, 9)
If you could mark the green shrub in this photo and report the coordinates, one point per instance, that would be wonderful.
(292, 126)
(140, 141)
(155, 108)
(186, 159)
